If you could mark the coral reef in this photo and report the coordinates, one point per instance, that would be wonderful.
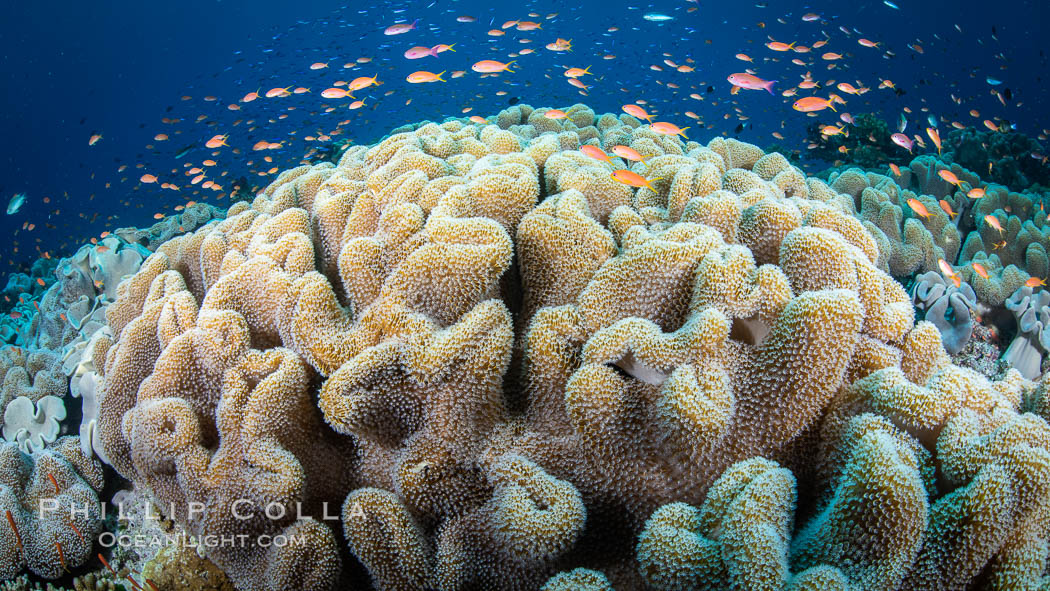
(52, 509)
(933, 294)
(865, 142)
(33, 425)
(30, 374)
(180, 568)
(908, 242)
(470, 359)
(993, 239)
(191, 218)
(1032, 311)
(31, 396)
(1008, 158)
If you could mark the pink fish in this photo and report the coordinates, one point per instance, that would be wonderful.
(400, 28)
(334, 93)
(751, 82)
(846, 118)
(419, 52)
(492, 66)
(903, 141)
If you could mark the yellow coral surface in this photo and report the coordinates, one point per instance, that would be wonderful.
(511, 372)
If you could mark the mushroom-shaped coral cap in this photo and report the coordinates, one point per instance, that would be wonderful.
(935, 296)
(1033, 330)
(33, 426)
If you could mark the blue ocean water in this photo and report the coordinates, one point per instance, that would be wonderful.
(121, 114)
(71, 70)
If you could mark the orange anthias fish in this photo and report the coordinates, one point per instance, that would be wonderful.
(492, 66)
(105, 563)
(810, 104)
(217, 141)
(848, 88)
(950, 177)
(334, 93)
(992, 221)
(282, 92)
(362, 82)
(665, 128)
(947, 208)
(628, 153)
(949, 272)
(400, 28)
(632, 179)
(18, 536)
(1035, 282)
(560, 45)
(555, 114)
(896, 169)
(751, 82)
(95, 137)
(980, 270)
(934, 137)
(577, 72)
(779, 46)
(419, 52)
(918, 207)
(421, 76)
(636, 111)
(578, 83)
(830, 130)
(595, 152)
(61, 557)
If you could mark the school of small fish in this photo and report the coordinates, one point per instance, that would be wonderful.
(301, 95)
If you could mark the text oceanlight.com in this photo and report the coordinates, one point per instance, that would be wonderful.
(109, 539)
(241, 510)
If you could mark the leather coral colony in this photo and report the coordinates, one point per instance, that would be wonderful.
(496, 368)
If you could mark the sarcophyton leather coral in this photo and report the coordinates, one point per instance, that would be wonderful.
(497, 369)
(50, 508)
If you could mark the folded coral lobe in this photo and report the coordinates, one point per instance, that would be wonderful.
(495, 367)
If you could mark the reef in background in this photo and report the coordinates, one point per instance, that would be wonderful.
(865, 142)
(510, 371)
